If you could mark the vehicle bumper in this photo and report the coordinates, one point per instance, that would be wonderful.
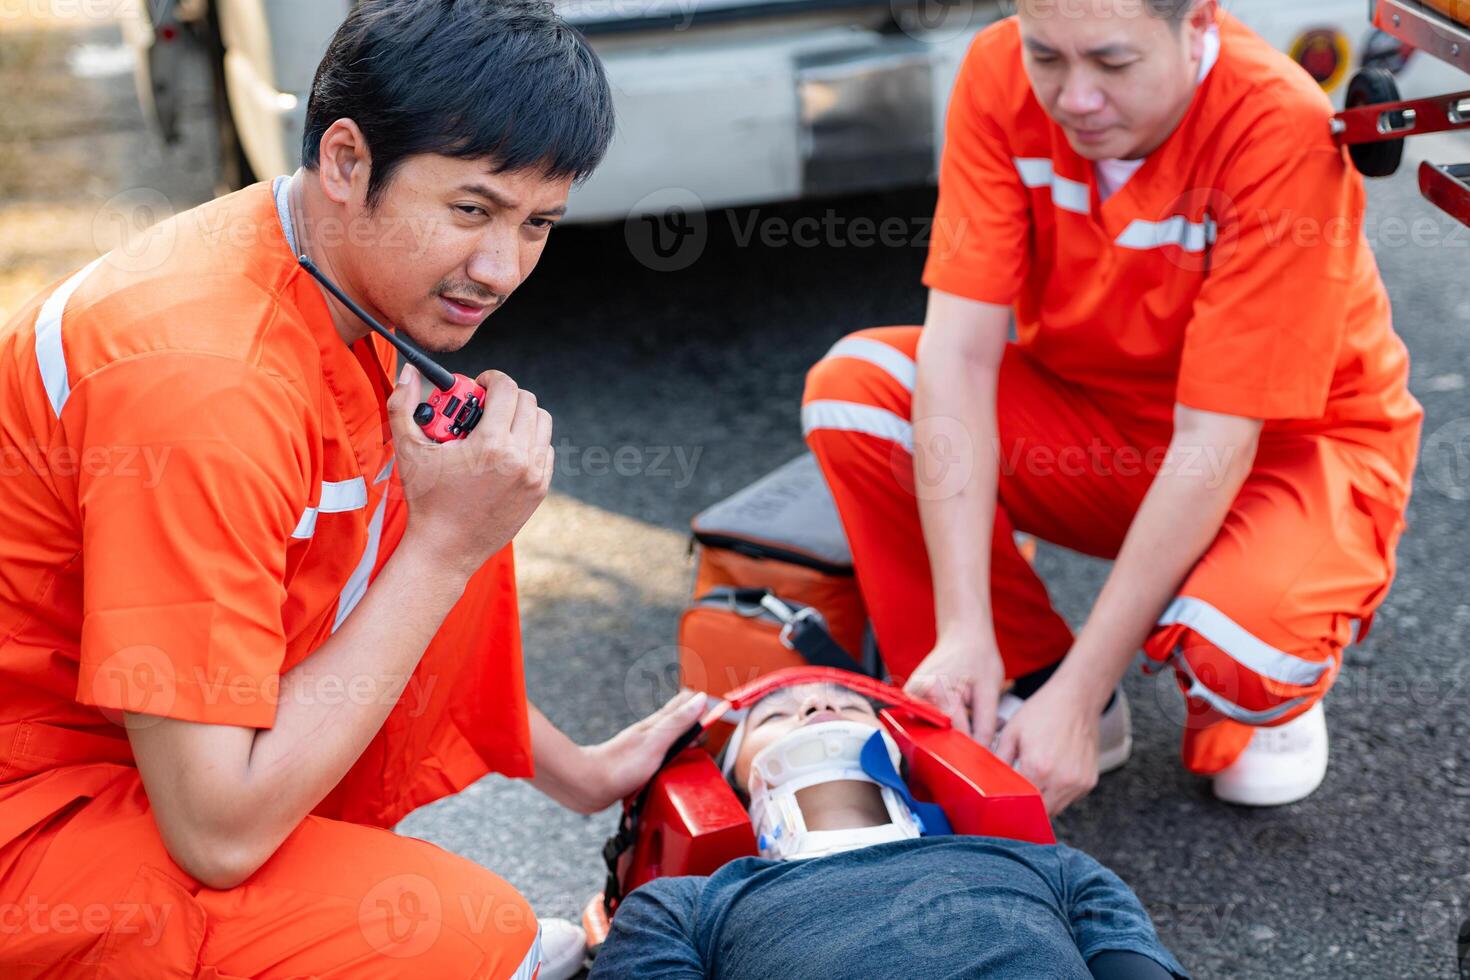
(714, 125)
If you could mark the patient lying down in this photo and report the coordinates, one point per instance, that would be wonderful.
(847, 887)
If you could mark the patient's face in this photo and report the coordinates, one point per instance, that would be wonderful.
(790, 708)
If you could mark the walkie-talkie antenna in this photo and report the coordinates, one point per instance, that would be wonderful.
(438, 376)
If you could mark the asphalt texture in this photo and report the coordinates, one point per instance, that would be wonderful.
(672, 389)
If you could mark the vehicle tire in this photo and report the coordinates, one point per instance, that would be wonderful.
(235, 171)
(1376, 86)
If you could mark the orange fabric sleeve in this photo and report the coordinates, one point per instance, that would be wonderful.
(1270, 317)
(980, 247)
(184, 552)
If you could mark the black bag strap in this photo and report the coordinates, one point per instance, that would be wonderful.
(804, 631)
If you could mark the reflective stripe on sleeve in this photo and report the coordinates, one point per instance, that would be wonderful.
(50, 355)
(852, 417)
(337, 498)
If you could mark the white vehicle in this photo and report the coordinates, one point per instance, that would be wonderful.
(719, 102)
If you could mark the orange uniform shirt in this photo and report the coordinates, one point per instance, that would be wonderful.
(198, 492)
(1230, 274)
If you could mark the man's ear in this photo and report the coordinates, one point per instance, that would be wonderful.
(1203, 17)
(344, 163)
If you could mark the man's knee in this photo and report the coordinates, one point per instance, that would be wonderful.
(1228, 672)
(448, 916)
(869, 367)
(343, 893)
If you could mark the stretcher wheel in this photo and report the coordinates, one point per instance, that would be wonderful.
(1376, 86)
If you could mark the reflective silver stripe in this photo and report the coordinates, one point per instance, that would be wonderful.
(1178, 230)
(1250, 652)
(1067, 194)
(50, 356)
(1228, 708)
(1035, 171)
(357, 583)
(337, 498)
(852, 417)
(899, 365)
(532, 962)
(384, 473)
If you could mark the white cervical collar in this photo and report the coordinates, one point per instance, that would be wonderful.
(811, 755)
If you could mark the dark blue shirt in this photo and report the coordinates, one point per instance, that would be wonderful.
(934, 907)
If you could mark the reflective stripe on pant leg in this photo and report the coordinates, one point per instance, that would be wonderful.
(853, 417)
(1224, 685)
(532, 963)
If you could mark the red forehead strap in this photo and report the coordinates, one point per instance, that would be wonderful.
(899, 703)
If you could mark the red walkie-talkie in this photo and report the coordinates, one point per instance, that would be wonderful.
(455, 408)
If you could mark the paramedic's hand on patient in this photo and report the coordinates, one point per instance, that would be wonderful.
(468, 498)
(591, 778)
(964, 678)
(1052, 741)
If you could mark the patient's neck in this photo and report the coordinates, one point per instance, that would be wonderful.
(843, 805)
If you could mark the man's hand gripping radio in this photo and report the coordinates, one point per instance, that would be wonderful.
(456, 405)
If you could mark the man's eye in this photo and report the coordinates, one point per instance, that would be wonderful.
(474, 210)
(773, 714)
(1114, 69)
(541, 223)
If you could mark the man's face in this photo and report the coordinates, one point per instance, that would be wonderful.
(1116, 78)
(788, 709)
(448, 242)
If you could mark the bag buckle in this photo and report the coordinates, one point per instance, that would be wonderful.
(790, 618)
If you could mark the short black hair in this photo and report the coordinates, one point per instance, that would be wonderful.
(1174, 11)
(509, 80)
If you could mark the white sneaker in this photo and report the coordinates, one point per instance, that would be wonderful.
(563, 949)
(1280, 765)
(1114, 730)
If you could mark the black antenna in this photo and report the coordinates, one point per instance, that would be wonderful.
(438, 376)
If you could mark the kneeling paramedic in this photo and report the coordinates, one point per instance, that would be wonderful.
(1205, 386)
(858, 879)
(253, 616)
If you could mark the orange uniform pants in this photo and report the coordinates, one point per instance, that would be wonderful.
(92, 892)
(1256, 633)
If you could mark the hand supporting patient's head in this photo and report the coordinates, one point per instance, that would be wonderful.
(788, 709)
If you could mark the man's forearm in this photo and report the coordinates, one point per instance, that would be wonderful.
(955, 459)
(561, 770)
(1180, 516)
(333, 703)
(957, 522)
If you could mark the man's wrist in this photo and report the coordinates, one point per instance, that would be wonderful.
(1085, 682)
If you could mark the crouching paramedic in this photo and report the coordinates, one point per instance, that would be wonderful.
(252, 616)
(1205, 386)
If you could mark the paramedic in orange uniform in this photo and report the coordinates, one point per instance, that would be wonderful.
(1205, 386)
(252, 616)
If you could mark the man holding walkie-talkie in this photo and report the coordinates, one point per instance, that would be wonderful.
(224, 676)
